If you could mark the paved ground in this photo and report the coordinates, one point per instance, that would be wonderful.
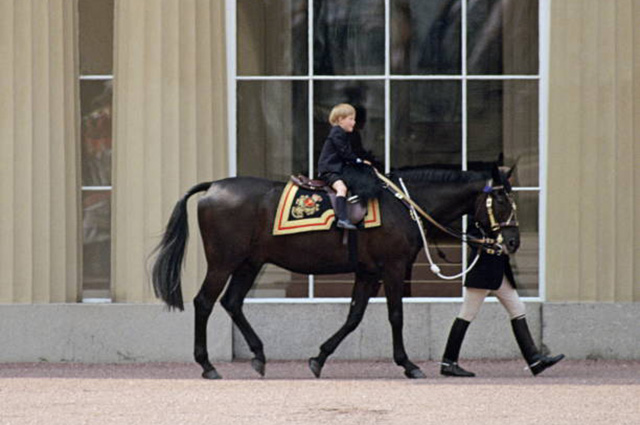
(573, 392)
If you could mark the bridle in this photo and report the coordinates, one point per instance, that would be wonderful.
(496, 226)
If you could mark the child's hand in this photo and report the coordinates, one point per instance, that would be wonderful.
(366, 161)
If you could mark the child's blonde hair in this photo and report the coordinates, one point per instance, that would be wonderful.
(342, 110)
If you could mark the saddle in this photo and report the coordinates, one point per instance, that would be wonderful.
(356, 208)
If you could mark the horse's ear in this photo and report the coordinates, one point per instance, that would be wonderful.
(510, 172)
(495, 174)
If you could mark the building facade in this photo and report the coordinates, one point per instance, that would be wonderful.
(199, 90)
(111, 110)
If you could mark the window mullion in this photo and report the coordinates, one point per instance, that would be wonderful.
(310, 278)
(387, 87)
(464, 160)
(232, 82)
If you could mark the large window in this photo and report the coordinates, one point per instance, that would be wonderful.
(96, 78)
(445, 83)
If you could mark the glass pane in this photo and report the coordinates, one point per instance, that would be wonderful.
(426, 123)
(96, 230)
(272, 129)
(272, 37)
(95, 104)
(348, 37)
(367, 97)
(95, 19)
(276, 282)
(335, 286)
(446, 252)
(426, 37)
(503, 123)
(502, 37)
(525, 261)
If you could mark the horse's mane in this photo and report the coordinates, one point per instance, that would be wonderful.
(437, 175)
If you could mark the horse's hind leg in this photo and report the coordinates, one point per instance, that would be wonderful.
(233, 300)
(205, 300)
(365, 287)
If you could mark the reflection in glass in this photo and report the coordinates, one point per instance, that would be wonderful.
(502, 37)
(276, 282)
(503, 123)
(272, 37)
(95, 27)
(272, 129)
(96, 99)
(367, 97)
(348, 37)
(525, 261)
(425, 37)
(336, 286)
(96, 253)
(426, 123)
(446, 252)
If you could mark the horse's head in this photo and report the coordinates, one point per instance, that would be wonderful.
(495, 211)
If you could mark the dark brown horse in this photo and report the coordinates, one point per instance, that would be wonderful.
(236, 218)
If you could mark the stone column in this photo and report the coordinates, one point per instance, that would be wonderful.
(169, 128)
(39, 178)
(593, 152)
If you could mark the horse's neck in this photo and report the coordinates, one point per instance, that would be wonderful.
(449, 201)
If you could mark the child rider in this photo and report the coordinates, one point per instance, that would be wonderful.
(337, 152)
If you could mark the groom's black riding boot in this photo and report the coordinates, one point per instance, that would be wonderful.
(341, 214)
(536, 361)
(452, 351)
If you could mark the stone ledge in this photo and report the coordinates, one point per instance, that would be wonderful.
(593, 330)
(118, 333)
(106, 333)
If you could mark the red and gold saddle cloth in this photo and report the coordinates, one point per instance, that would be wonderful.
(301, 210)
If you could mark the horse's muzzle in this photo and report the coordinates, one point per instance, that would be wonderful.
(511, 239)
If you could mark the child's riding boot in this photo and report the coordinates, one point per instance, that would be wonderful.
(536, 361)
(341, 214)
(449, 365)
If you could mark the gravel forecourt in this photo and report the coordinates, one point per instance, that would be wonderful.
(349, 392)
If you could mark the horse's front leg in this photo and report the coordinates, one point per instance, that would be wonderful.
(366, 286)
(393, 287)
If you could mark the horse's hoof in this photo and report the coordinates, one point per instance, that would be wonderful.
(315, 367)
(414, 374)
(258, 366)
(211, 374)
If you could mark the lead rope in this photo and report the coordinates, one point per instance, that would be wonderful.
(434, 267)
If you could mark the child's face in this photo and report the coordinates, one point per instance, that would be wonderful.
(347, 123)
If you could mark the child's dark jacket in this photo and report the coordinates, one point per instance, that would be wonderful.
(336, 152)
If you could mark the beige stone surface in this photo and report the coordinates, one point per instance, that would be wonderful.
(584, 392)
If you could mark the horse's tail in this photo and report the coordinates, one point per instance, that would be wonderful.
(167, 266)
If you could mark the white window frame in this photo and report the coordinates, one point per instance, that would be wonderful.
(83, 189)
(543, 86)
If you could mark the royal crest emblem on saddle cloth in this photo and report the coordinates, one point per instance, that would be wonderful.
(301, 210)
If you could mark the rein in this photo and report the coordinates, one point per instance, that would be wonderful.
(491, 246)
